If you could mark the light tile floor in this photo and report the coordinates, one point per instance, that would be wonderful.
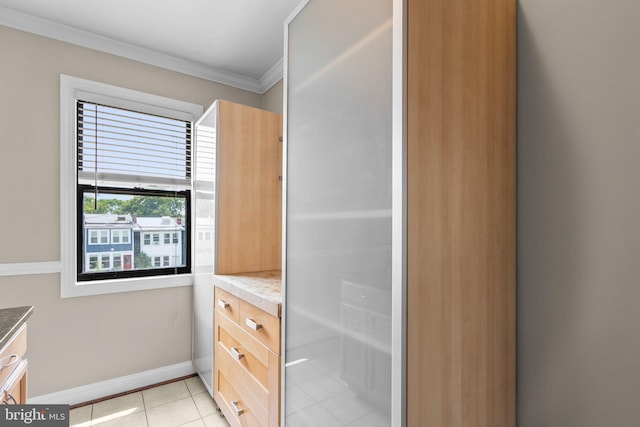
(182, 403)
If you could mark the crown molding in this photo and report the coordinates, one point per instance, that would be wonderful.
(24, 22)
(272, 76)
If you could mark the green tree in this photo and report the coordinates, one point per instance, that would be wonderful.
(104, 206)
(152, 206)
(142, 260)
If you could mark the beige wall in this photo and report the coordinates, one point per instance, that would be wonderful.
(579, 213)
(77, 341)
(273, 98)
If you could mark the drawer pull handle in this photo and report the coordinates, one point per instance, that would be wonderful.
(8, 399)
(236, 410)
(252, 324)
(17, 359)
(222, 303)
(236, 354)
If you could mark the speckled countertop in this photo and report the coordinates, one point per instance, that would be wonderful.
(262, 289)
(10, 321)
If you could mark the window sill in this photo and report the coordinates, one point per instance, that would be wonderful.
(101, 287)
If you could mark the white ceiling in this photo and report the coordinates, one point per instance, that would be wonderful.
(237, 42)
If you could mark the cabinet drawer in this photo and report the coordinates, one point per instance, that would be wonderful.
(13, 353)
(252, 355)
(228, 398)
(260, 325)
(14, 390)
(227, 304)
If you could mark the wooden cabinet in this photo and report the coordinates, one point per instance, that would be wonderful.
(461, 184)
(249, 190)
(237, 206)
(13, 369)
(246, 362)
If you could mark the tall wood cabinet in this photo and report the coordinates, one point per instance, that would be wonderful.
(401, 145)
(461, 183)
(237, 229)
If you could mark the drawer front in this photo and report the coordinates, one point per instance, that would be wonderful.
(14, 390)
(260, 325)
(227, 304)
(251, 391)
(255, 375)
(246, 351)
(13, 353)
(227, 397)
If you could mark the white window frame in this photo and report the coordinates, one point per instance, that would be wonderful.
(72, 89)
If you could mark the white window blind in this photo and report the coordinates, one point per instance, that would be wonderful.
(118, 147)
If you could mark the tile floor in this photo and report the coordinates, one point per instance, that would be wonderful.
(182, 403)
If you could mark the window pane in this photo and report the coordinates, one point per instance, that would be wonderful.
(126, 228)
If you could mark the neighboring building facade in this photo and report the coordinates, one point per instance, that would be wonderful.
(113, 242)
(108, 242)
(161, 239)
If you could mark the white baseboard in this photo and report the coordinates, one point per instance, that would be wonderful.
(101, 389)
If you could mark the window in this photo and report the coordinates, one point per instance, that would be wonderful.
(175, 238)
(98, 237)
(126, 168)
(119, 236)
(167, 238)
(106, 264)
(117, 261)
(93, 237)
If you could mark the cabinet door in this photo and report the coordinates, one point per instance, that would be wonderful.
(338, 205)
(204, 191)
(249, 190)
